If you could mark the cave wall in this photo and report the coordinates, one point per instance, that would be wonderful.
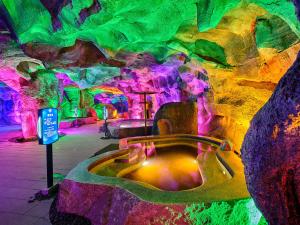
(239, 51)
(36, 87)
(256, 65)
(244, 47)
(9, 106)
(174, 80)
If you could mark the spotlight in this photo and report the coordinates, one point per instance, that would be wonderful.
(145, 163)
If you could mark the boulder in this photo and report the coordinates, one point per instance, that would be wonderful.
(271, 152)
(176, 118)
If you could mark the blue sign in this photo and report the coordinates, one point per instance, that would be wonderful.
(48, 126)
(105, 113)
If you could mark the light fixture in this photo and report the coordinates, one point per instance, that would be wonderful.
(145, 163)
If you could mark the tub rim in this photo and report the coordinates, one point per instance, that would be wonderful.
(232, 189)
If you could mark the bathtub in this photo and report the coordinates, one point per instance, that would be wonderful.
(168, 169)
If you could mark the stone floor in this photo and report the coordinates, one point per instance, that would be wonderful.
(23, 171)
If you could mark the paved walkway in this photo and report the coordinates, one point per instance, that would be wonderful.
(23, 171)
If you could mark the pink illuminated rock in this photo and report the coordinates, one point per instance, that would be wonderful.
(173, 81)
(28, 107)
(156, 214)
(110, 205)
(37, 87)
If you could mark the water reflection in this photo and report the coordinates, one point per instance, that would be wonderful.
(171, 168)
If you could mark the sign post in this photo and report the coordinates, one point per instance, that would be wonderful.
(47, 135)
(49, 165)
(105, 113)
(107, 134)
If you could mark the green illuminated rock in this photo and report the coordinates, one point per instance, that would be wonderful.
(92, 76)
(242, 212)
(273, 32)
(71, 104)
(210, 12)
(160, 27)
(210, 51)
(99, 108)
(116, 26)
(285, 9)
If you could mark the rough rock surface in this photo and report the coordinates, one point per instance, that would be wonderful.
(210, 51)
(214, 10)
(174, 80)
(274, 32)
(9, 105)
(139, 26)
(271, 152)
(297, 4)
(148, 34)
(59, 218)
(36, 86)
(81, 54)
(55, 7)
(111, 205)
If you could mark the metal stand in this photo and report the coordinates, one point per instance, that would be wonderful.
(145, 112)
(107, 134)
(76, 125)
(44, 194)
(49, 166)
(76, 116)
(145, 93)
(51, 189)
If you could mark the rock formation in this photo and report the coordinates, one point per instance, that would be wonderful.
(228, 55)
(271, 151)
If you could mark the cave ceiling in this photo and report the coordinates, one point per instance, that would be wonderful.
(208, 30)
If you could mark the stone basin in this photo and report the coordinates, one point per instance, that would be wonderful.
(129, 128)
(150, 178)
(171, 166)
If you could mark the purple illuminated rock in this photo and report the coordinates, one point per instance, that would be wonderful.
(54, 8)
(86, 12)
(271, 152)
(174, 80)
(110, 205)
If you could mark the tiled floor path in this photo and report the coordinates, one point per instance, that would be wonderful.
(23, 171)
